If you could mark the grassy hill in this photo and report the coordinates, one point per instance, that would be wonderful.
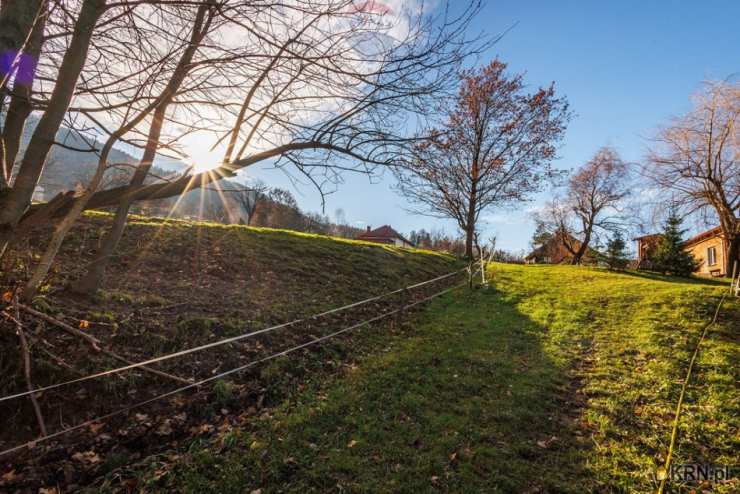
(175, 285)
(555, 379)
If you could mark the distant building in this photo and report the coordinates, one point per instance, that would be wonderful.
(385, 235)
(709, 248)
(646, 246)
(39, 194)
(554, 251)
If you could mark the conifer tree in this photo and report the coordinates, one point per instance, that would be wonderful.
(669, 257)
(616, 253)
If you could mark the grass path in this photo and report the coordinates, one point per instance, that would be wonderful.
(557, 379)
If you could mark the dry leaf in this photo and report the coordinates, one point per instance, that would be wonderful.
(89, 457)
(84, 324)
(352, 444)
(547, 442)
(8, 296)
(95, 427)
(9, 476)
(165, 429)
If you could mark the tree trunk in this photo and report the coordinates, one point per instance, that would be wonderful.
(64, 226)
(20, 106)
(578, 256)
(16, 21)
(733, 253)
(469, 234)
(473, 198)
(18, 198)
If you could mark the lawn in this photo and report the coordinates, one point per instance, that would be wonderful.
(554, 379)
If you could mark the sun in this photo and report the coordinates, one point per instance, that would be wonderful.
(201, 166)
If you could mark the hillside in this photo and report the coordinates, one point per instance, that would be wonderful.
(556, 379)
(176, 285)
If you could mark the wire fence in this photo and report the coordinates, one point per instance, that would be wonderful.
(664, 473)
(222, 342)
(235, 370)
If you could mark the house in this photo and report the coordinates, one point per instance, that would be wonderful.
(39, 194)
(708, 248)
(553, 251)
(385, 235)
(646, 246)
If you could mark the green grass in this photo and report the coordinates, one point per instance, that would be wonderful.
(555, 379)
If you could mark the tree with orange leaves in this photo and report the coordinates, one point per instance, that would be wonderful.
(494, 147)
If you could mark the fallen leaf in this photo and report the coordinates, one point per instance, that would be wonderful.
(352, 444)
(84, 324)
(165, 429)
(95, 427)
(547, 442)
(8, 296)
(89, 457)
(9, 476)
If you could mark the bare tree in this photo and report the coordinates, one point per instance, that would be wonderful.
(248, 198)
(696, 161)
(16, 200)
(26, 21)
(201, 25)
(493, 148)
(590, 204)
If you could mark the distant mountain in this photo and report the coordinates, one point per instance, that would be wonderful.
(69, 166)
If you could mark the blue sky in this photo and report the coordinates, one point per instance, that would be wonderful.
(625, 66)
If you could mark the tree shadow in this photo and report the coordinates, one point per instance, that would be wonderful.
(467, 401)
(696, 280)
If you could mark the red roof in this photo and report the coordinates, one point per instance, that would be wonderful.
(648, 236)
(716, 231)
(712, 232)
(384, 234)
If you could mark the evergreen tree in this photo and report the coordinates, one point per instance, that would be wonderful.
(669, 256)
(616, 253)
(541, 235)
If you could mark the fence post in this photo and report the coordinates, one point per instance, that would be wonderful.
(470, 273)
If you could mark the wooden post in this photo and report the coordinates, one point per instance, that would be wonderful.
(470, 274)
